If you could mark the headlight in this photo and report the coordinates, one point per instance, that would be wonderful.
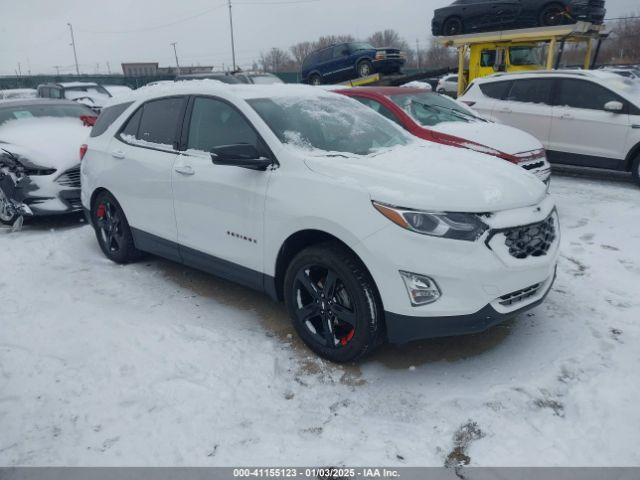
(457, 226)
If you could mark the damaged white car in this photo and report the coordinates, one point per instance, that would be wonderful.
(39, 162)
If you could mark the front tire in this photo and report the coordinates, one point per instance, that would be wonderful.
(333, 303)
(112, 230)
(7, 216)
(365, 68)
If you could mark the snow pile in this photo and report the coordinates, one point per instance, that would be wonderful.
(158, 364)
(46, 141)
(418, 84)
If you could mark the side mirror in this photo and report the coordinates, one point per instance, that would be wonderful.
(240, 155)
(614, 106)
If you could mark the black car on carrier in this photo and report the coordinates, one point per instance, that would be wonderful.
(470, 16)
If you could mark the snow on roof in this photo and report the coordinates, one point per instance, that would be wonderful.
(77, 84)
(214, 87)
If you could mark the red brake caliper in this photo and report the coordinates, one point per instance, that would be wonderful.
(101, 212)
(348, 337)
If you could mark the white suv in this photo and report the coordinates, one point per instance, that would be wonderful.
(366, 233)
(585, 118)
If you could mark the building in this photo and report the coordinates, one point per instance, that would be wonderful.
(152, 69)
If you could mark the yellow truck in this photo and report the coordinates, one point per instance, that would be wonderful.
(520, 50)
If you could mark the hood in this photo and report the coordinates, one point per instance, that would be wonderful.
(493, 135)
(45, 142)
(435, 177)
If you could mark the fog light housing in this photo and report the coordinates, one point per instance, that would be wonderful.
(422, 290)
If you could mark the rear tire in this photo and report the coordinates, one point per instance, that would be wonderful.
(112, 230)
(552, 15)
(636, 169)
(333, 303)
(452, 26)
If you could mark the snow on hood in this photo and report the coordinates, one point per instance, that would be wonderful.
(500, 137)
(45, 141)
(436, 178)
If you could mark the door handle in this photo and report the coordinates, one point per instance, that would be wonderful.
(506, 110)
(566, 116)
(185, 170)
(119, 154)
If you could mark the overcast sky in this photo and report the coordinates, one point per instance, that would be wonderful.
(35, 32)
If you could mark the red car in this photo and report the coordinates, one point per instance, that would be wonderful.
(440, 119)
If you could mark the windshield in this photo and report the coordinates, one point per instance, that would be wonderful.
(354, 47)
(331, 125)
(522, 56)
(429, 109)
(29, 111)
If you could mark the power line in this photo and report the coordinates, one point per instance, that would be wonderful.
(157, 27)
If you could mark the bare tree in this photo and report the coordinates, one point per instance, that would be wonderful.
(276, 60)
(300, 51)
(438, 56)
(329, 40)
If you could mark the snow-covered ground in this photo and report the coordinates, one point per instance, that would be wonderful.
(158, 364)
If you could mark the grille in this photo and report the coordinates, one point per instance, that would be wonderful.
(519, 295)
(531, 240)
(70, 178)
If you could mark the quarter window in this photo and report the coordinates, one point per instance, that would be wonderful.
(531, 91)
(497, 90)
(583, 94)
(107, 117)
(215, 123)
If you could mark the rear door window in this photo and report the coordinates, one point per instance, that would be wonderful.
(498, 90)
(325, 55)
(160, 120)
(534, 90)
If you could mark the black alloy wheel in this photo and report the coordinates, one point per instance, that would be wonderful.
(112, 230)
(332, 303)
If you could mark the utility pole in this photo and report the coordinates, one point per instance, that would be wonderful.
(57, 70)
(73, 44)
(175, 52)
(233, 46)
(109, 68)
(418, 52)
(19, 69)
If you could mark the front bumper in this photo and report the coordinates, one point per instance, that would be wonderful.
(43, 195)
(404, 328)
(389, 65)
(474, 277)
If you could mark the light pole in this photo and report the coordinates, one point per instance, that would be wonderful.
(73, 44)
(418, 53)
(175, 52)
(233, 46)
